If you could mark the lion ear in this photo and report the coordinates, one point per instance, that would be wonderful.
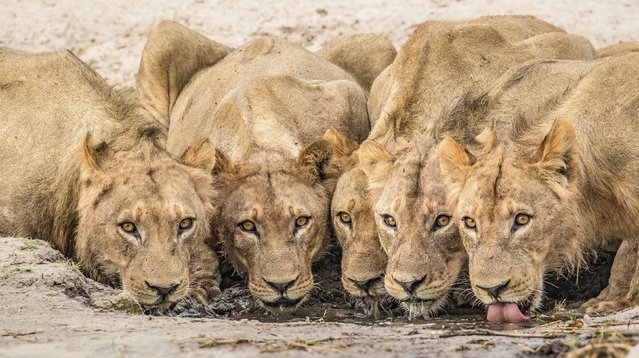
(340, 143)
(315, 157)
(171, 56)
(375, 161)
(223, 164)
(455, 162)
(200, 155)
(558, 152)
(93, 155)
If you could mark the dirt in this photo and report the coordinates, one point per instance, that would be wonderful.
(50, 308)
(110, 35)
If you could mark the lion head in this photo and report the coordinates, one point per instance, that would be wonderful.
(414, 224)
(363, 259)
(144, 219)
(516, 214)
(273, 219)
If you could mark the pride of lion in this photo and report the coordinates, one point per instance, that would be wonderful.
(460, 170)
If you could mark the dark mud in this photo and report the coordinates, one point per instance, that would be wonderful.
(330, 303)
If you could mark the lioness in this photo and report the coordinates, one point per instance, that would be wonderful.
(265, 106)
(83, 169)
(555, 175)
(431, 83)
(363, 260)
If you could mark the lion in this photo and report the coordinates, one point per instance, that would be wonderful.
(553, 178)
(417, 100)
(363, 260)
(444, 61)
(265, 106)
(85, 170)
(618, 49)
(353, 54)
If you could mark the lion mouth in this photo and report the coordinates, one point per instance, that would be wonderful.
(426, 308)
(415, 299)
(510, 312)
(282, 303)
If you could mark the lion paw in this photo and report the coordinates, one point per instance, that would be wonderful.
(603, 306)
(591, 303)
(123, 302)
(204, 295)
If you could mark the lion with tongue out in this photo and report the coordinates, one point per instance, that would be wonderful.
(554, 176)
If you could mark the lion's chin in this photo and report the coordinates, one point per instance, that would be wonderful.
(158, 303)
(282, 305)
(423, 308)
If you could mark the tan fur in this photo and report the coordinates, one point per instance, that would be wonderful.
(363, 260)
(77, 161)
(566, 157)
(364, 56)
(439, 75)
(424, 258)
(265, 106)
(443, 61)
(618, 49)
(159, 93)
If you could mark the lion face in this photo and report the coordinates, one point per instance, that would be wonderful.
(143, 222)
(415, 227)
(517, 218)
(273, 224)
(363, 259)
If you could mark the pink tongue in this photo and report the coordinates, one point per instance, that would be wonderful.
(505, 313)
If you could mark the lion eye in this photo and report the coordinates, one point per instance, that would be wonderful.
(129, 227)
(344, 217)
(247, 225)
(390, 221)
(186, 224)
(302, 221)
(442, 220)
(470, 223)
(522, 220)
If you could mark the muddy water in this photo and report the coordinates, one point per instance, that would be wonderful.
(236, 304)
(331, 304)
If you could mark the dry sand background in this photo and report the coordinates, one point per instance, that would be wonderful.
(110, 35)
(44, 303)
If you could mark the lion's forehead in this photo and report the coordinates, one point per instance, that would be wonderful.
(146, 180)
(351, 193)
(511, 189)
(154, 209)
(278, 195)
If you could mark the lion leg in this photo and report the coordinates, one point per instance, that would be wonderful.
(204, 275)
(622, 282)
(633, 293)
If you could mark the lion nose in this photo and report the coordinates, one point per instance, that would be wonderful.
(366, 285)
(410, 286)
(163, 290)
(281, 287)
(495, 291)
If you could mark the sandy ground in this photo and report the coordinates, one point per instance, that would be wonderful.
(48, 308)
(110, 35)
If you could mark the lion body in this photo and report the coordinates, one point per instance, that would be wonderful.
(441, 72)
(566, 160)
(61, 186)
(265, 106)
